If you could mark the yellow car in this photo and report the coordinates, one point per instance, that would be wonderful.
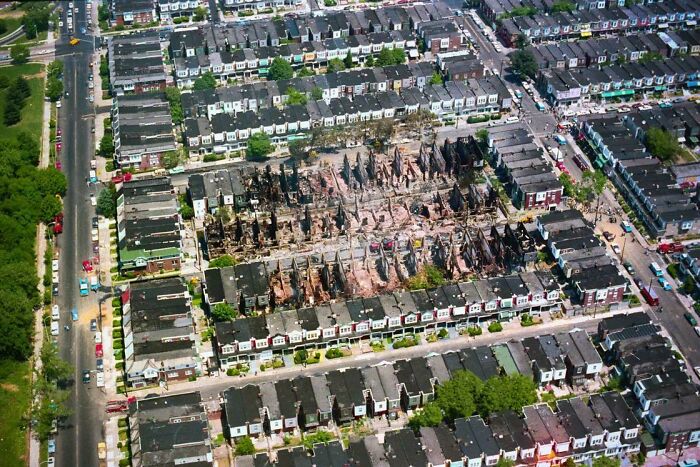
(101, 450)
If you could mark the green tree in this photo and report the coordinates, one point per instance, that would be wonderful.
(245, 446)
(172, 93)
(49, 207)
(335, 65)
(429, 415)
(19, 54)
(259, 146)
(596, 180)
(223, 312)
(385, 57)
(295, 97)
(523, 62)
(280, 69)
(317, 93)
(662, 144)
(369, 61)
(107, 202)
(503, 462)
(200, 13)
(507, 392)
(399, 56)
(521, 41)
(54, 88)
(206, 81)
(54, 368)
(4, 81)
(20, 88)
(650, 57)
(604, 461)
(297, 149)
(347, 61)
(103, 12)
(107, 145)
(186, 211)
(482, 135)
(563, 5)
(436, 78)
(304, 72)
(458, 396)
(12, 113)
(170, 159)
(55, 69)
(223, 261)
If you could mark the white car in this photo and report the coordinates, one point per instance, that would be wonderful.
(93, 200)
(58, 104)
(697, 330)
(54, 328)
(54, 265)
(91, 84)
(55, 315)
(95, 235)
(51, 462)
(616, 248)
(98, 337)
(100, 379)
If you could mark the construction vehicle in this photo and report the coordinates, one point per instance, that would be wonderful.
(675, 247)
(74, 41)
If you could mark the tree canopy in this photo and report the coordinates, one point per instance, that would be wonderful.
(107, 202)
(295, 97)
(429, 415)
(206, 81)
(280, 69)
(389, 57)
(523, 62)
(222, 261)
(507, 393)
(662, 144)
(172, 93)
(259, 146)
(334, 65)
(223, 312)
(19, 54)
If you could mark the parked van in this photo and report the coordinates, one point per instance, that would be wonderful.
(54, 328)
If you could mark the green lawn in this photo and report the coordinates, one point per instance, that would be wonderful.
(15, 396)
(12, 24)
(32, 113)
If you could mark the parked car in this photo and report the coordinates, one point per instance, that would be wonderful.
(84, 290)
(609, 236)
(100, 379)
(87, 266)
(98, 337)
(616, 248)
(630, 268)
(93, 325)
(691, 319)
(101, 450)
(86, 376)
(99, 352)
(99, 364)
(626, 226)
(51, 445)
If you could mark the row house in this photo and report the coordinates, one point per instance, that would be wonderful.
(580, 255)
(521, 163)
(169, 9)
(396, 314)
(239, 5)
(647, 186)
(627, 80)
(136, 64)
(263, 95)
(255, 62)
(601, 52)
(129, 12)
(586, 23)
(226, 132)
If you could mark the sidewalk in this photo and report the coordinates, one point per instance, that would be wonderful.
(511, 330)
(34, 444)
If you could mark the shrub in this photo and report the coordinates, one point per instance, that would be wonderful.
(474, 331)
(377, 346)
(121, 423)
(495, 327)
(315, 359)
(118, 344)
(526, 320)
(277, 363)
(442, 333)
(334, 353)
(301, 356)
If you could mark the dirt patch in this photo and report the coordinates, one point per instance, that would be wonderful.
(9, 387)
(11, 14)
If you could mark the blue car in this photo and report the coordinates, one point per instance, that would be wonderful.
(52, 446)
(74, 314)
(664, 283)
(84, 290)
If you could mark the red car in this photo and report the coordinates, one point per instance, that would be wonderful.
(58, 132)
(58, 147)
(87, 266)
(58, 165)
(98, 351)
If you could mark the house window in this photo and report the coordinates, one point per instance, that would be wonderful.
(188, 372)
(539, 197)
(172, 375)
(687, 225)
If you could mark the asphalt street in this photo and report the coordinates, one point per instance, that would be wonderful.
(79, 434)
(637, 254)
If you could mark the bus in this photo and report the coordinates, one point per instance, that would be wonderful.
(656, 269)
